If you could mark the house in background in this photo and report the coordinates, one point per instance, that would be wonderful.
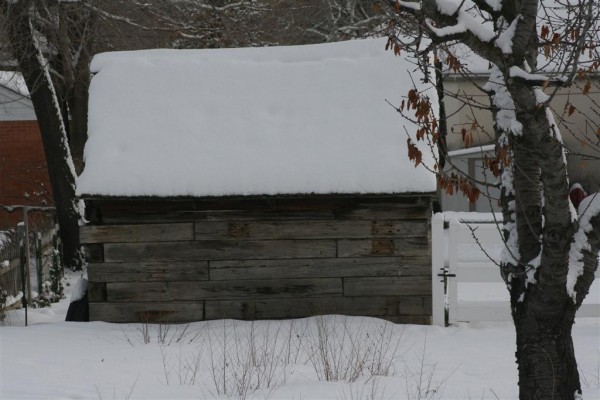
(579, 132)
(23, 172)
(254, 183)
(470, 162)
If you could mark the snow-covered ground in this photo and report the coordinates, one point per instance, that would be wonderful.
(290, 359)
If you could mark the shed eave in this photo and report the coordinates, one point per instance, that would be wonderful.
(95, 197)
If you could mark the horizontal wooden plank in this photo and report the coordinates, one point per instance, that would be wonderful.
(214, 215)
(218, 250)
(260, 202)
(406, 213)
(136, 233)
(268, 215)
(96, 291)
(409, 319)
(299, 207)
(406, 247)
(94, 252)
(205, 290)
(387, 286)
(316, 268)
(308, 229)
(148, 271)
(302, 307)
(151, 312)
(142, 292)
(415, 305)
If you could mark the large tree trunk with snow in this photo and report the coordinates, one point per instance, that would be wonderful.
(543, 322)
(78, 105)
(550, 250)
(33, 66)
(545, 354)
(537, 214)
(536, 275)
(75, 39)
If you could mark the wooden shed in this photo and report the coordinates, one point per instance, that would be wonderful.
(254, 184)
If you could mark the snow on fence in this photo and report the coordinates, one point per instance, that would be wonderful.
(10, 284)
(12, 260)
(10, 274)
(466, 281)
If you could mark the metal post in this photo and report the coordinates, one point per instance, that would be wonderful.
(56, 272)
(60, 251)
(27, 253)
(22, 261)
(38, 261)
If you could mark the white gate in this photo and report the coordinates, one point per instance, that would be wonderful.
(466, 249)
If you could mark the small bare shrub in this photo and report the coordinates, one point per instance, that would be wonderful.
(126, 395)
(369, 390)
(421, 382)
(241, 362)
(591, 379)
(297, 331)
(166, 334)
(144, 328)
(339, 352)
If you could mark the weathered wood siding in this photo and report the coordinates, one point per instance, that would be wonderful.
(258, 258)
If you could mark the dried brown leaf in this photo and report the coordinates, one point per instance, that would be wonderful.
(587, 87)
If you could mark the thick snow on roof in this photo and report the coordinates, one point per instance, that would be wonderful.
(278, 120)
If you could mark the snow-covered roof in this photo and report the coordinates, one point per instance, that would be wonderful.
(253, 121)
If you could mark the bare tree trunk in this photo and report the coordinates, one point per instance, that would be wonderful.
(48, 112)
(78, 103)
(75, 39)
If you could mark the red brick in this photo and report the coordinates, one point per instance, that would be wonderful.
(22, 169)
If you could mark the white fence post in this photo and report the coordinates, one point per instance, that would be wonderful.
(451, 285)
(438, 298)
(472, 240)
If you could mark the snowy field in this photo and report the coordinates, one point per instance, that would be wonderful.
(331, 357)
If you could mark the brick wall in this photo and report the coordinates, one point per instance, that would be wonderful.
(23, 172)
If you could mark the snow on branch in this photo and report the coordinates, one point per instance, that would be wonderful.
(506, 118)
(449, 21)
(588, 210)
(410, 4)
(505, 39)
(516, 72)
(474, 25)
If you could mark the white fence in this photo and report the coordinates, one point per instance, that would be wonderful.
(465, 248)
